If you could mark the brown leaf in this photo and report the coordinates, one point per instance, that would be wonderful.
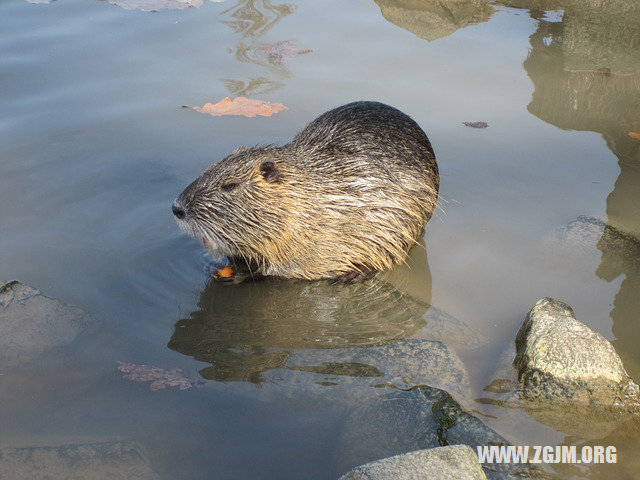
(152, 5)
(247, 107)
(159, 377)
(279, 52)
(634, 135)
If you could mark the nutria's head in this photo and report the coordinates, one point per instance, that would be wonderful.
(234, 202)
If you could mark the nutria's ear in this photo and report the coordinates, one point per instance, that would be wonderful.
(270, 171)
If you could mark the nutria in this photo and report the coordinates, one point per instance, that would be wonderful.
(348, 196)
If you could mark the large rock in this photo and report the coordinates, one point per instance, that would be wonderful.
(419, 418)
(31, 323)
(522, 420)
(456, 461)
(560, 359)
(95, 461)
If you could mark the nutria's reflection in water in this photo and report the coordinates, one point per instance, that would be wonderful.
(247, 329)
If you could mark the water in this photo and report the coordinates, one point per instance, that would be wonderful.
(95, 146)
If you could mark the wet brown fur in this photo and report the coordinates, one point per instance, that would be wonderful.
(349, 196)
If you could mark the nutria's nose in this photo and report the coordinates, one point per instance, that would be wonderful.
(178, 210)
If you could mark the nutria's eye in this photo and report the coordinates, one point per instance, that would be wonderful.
(270, 171)
(227, 187)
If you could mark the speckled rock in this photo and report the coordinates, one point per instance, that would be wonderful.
(95, 461)
(502, 398)
(456, 461)
(560, 359)
(31, 323)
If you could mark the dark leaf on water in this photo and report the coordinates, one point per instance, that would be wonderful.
(159, 377)
(476, 124)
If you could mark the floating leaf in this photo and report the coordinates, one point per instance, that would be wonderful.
(152, 5)
(278, 52)
(634, 135)
(159, 377)
(226, 272)
(476, 124)
(241, 106)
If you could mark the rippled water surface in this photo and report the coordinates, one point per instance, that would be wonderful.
(94, 146)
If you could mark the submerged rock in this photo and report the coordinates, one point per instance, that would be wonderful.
(560, 359)
(578, 237)
(406, 364)
(593, 237)
(32, 323)
(457, 461)
(95, 461)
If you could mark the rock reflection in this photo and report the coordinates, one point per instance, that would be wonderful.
(433, 19)
(251, 20)
(586, 74)
(245, 330)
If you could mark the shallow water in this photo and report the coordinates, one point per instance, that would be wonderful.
(94, 146)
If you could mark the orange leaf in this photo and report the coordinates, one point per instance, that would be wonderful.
(634, 135)
(226, 272)
(241, 106)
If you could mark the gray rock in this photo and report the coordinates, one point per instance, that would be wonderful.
(31, 323)
(97, 461)
(560, 359)
(522, 420)
(419, 418)
(457, 461)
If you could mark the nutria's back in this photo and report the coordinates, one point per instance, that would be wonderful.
(385, 133)
(348, 196)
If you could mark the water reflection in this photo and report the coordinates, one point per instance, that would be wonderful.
(245, 330)
(254, 18)
(586, 74)
(146, 5)
(433, 19)
(251, 20)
